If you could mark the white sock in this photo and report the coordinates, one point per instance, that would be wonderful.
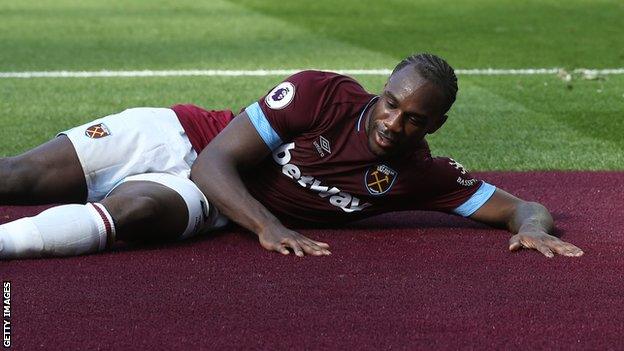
(65, 230)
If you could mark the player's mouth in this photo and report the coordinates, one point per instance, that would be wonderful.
(384, 141)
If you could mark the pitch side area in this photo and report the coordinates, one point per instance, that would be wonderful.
(551, 132)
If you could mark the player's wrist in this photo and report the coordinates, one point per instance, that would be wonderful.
(268, 225)
(531, 227)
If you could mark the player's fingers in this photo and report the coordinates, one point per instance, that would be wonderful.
(318, 248)
(310, 248)
(322, 244)
(294, 245)
(314, 244)
(281, 249)
(567, 249)
(307, 247)
(317, 243)
(514, 243)
(273, 246)
(575, 251)
(545, 250)
(559, 249)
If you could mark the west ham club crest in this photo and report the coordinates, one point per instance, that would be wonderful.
(97, 131)
(379, 179)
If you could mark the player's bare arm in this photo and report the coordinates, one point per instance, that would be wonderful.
(530, 222)
(216, 172)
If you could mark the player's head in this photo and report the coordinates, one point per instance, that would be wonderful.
(413, 103)
(435, 70)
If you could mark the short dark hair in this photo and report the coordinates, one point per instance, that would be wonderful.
(436, 70)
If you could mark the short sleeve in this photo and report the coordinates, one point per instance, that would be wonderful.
(290, 108)
(453, 189)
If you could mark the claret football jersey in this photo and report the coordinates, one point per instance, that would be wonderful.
(321, 169)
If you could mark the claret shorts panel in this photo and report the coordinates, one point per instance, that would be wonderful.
(135, 141)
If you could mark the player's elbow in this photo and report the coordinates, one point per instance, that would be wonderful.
(209, 162)
(201, 167)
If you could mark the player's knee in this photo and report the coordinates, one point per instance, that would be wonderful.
(139, 217)
(133, 210)
(147, 208)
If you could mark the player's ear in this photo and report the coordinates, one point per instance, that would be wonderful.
(438, 123)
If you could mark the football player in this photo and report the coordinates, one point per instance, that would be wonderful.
(317, 148)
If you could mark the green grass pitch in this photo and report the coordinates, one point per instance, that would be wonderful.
(498, 123)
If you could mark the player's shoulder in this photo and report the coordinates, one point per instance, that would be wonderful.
(434, 168)
(311, 79)
(318, 74)
(446, 170)
(446, 164)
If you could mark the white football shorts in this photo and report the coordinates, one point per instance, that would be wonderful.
(133, 144)
(135, 141)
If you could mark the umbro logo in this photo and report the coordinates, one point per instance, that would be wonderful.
(322, 146)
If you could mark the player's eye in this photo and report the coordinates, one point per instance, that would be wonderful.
(421, 122)
(391, 104)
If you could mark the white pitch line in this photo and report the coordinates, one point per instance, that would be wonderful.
(285, 72)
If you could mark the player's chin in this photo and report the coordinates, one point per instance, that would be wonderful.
(380, 151)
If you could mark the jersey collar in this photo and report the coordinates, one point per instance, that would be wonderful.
(369, 104)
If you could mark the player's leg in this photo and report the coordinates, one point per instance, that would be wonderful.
(85, 162)
(49, 173)
(144, 211)
(158, 206)
(144, 207)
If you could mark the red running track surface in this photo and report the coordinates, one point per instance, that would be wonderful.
(399, 281)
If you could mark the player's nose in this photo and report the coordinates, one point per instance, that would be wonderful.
(393, 122)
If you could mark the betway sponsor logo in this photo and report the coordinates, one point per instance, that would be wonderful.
(338, 198)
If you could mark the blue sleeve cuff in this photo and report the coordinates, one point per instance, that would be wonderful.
(477, 200)
(262, 125)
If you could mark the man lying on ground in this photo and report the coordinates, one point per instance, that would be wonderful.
(317, 148)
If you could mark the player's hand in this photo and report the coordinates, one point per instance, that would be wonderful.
(544, 243)
(281, 239)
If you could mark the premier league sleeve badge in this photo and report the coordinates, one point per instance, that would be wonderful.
(281, 96)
